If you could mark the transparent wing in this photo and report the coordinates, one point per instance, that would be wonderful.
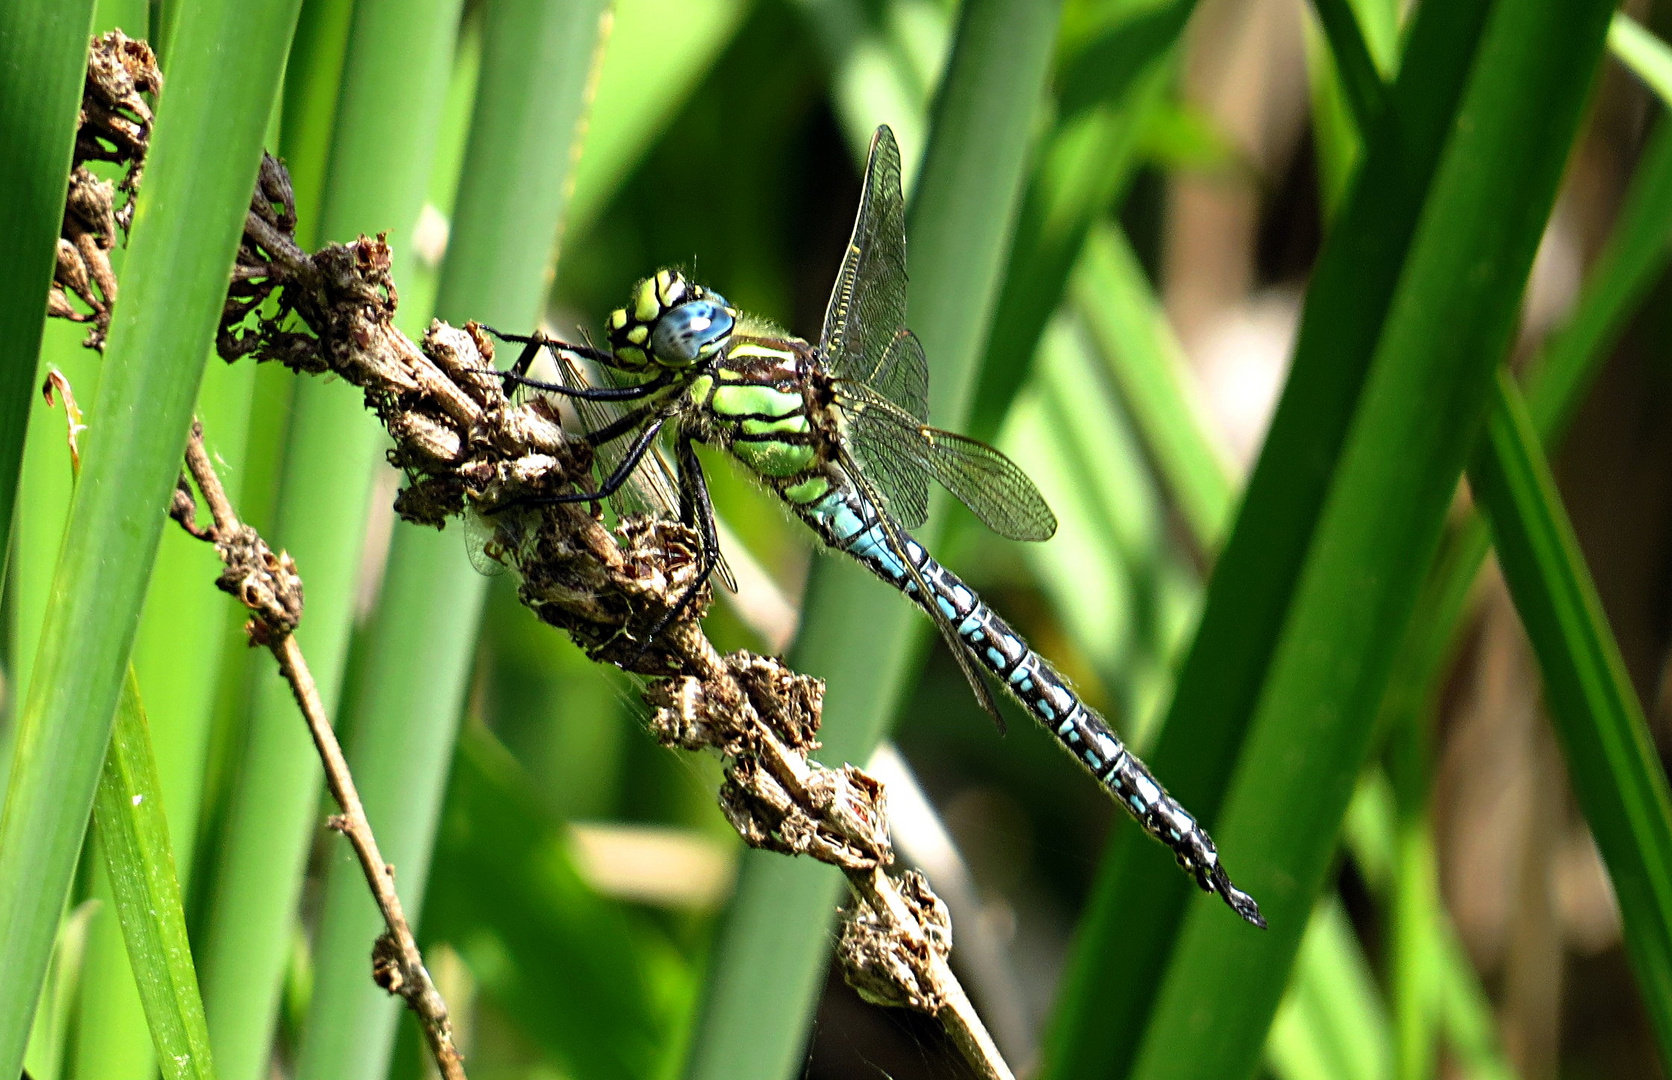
(902, 375)
(897, 544)
(994, 488)
(482, 544)
(865, 337)
(899, 455)
(886, 446)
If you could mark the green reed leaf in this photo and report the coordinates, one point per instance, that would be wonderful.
(43, 58)
(1612, 761)
(1126, 937)
(1450, 320)
(1646, 55)
(197, 190)
(857, 634)
(132, 830)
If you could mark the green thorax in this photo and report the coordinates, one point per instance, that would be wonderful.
(761, 401)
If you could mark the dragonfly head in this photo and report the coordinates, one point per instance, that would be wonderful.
(671, 322)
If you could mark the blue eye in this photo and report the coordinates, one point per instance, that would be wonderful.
(691, 332)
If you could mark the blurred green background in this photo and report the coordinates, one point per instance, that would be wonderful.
(1208, 192)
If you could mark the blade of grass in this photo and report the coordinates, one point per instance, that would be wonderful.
(312, 83)
(658, 51)
(1557, 378)
(1126, 319)
(1636, 253)
(538, 60)
(1427, 389)
(1124, 941)
(177, 654)
(1361, 82)
(1109, 88)
(43, 503)
(1642, 52)
(1144, 360)
(1332, 1022)
(133, 831)
(590, 983)
(112, 1038)
(177, 657)
(43, 62)
(885, 63)
(774, 939)
(49, 1038)
(1112, 571)
(1465, 1017)
(393, 82)
(1470, 1022)
(1634, 256)
(1615, 769)
(1147, 364)
(1331, 1025)
(1413, 895)
(1335, 138)
(197, 191)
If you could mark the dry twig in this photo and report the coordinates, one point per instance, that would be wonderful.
(268, 585)
(468, 448)
(115, 126)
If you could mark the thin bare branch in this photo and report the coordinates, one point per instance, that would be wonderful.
(268, 585)
(115, 127)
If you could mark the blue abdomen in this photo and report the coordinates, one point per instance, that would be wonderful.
(848, 522)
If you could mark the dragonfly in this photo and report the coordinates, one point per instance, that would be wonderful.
(839, 431)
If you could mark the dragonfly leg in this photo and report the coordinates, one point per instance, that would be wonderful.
(613, 482)
(537, 341)
(696, 510)
(618, 427)
(517, 373)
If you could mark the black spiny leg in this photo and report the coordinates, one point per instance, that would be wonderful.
(613, 482)
(517, 374)
(696, 509)
(618, 427)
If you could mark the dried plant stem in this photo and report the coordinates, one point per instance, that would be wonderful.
(467, 447)
(900, 933)
(268, 585)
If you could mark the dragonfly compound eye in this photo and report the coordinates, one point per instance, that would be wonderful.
(693, 331)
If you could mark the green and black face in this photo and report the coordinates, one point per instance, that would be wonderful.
(671, 323)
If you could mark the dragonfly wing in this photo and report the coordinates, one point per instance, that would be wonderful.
(865, 337)
(885, 446)
(652, 488)
(483, 544)
(994, 488)
(902, 375)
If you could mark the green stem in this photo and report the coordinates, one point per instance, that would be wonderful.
(859, 637)
(393, 83)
